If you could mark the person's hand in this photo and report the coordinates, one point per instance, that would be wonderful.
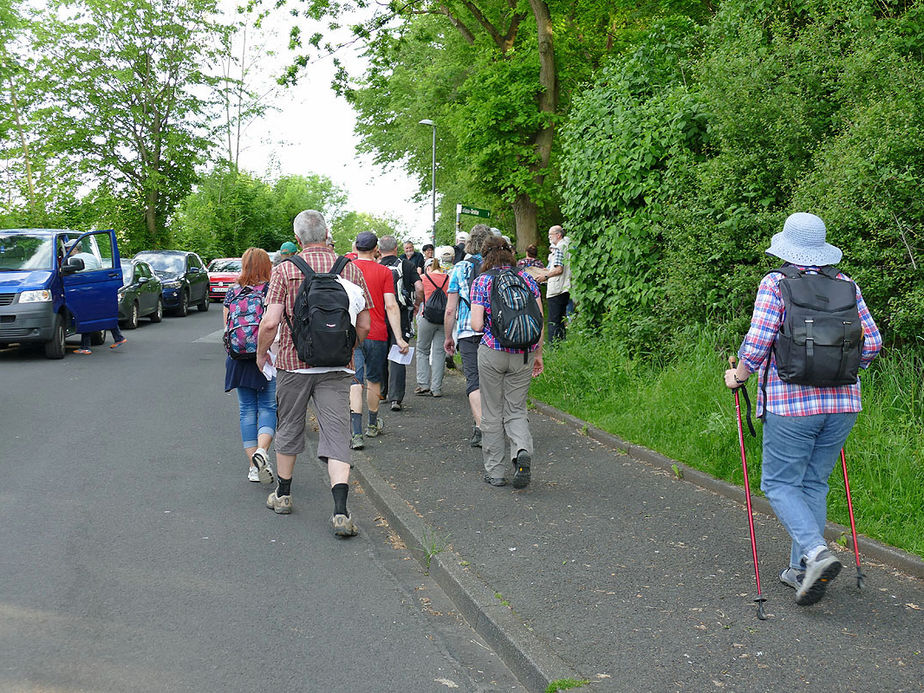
(403, 346)
(538, 366)
(449, 346)
(730, 382)
(261, 360)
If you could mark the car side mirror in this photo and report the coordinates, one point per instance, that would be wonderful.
(74, 264)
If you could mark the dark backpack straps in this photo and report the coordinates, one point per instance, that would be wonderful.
(303, 266)
(829, 271)
(788, 271)
(339, 265)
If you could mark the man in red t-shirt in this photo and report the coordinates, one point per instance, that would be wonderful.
(371, 356)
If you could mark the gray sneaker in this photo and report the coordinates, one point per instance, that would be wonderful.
(373, 431)
(281, 505)
(343, 526)
(818, 573)
(792, 578)
(476, 437)
(356, 442)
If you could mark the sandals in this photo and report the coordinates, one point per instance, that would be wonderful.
(421, 390)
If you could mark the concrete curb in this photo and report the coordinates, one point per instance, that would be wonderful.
(882, 553)
(530, 660)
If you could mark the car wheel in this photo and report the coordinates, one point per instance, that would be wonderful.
(98, 338)
(132, 322)
(54, 347)
(158, 313)
(204, 306)
(183, 310)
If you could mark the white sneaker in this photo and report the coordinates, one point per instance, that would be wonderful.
(819, 572)
(264, 472)
(253, 475)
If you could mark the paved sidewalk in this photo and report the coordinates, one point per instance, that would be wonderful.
(612, 570)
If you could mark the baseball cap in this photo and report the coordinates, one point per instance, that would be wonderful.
(366, 241)
(288, 247)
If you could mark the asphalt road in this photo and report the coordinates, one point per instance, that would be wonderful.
(135, 556)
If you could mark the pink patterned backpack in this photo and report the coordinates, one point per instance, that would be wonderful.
(245, 310)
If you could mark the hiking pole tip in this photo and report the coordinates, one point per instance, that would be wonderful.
(860, 578)
(760, 607)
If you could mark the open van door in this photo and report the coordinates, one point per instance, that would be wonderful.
(92, 281)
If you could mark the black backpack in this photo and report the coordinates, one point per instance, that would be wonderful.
(322, 331)
(821, 338)
(516, 320)
(434, 309)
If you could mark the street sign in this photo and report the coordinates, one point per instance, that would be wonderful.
(473, 211)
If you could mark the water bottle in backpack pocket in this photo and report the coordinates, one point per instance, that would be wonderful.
(821, 338)
(245, 311)
(516, 319)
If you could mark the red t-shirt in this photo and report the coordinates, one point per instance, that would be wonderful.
(440, 279)
(379, 281)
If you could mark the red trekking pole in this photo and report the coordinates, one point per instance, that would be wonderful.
(853, 525)
(747, 492)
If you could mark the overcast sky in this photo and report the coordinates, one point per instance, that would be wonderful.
(312, 132)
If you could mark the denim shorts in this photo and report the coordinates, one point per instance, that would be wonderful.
(373, 361)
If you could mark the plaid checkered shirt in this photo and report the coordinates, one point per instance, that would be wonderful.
(787, 399)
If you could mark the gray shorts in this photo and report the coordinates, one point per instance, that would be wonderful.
(329, 397)
(468, 349)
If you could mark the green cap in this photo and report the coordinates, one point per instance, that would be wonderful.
(288, 247)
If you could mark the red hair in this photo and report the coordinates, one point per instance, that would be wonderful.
(256, 267)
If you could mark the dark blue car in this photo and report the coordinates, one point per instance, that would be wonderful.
(184, 278)
(57, 282)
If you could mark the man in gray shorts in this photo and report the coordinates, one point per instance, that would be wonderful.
(298, 384)
(457, 322)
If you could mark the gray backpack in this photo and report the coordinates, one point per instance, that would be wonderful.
(821, 338)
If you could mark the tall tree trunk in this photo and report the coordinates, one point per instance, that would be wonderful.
(524, 213)
(24, 143)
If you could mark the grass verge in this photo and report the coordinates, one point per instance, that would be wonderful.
(682, 409)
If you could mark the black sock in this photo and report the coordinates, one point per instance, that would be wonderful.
(283, 489)
(340, 492)
(373, 418)
(357, 422)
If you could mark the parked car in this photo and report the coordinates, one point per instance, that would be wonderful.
(140, 295)
(185, 281)
(223, 273)
(55, 283)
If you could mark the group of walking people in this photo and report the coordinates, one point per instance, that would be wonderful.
(808, 411)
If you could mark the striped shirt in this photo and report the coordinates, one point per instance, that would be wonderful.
(284, 285)
(788, 399)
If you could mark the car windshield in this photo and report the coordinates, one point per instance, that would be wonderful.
(225, 266)
(22, 251)
(166, 264)
(127, 269)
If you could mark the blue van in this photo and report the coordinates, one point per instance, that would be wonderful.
(55, 283)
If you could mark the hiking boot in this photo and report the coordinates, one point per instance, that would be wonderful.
(253, 476)
(476, 437)
(396, 406)
(343, 526)
(818, 573)
(521, 464)
(372, 431)
(495, 481)
(792, 578)
(356, 442)
(281, 505)
(264, 473)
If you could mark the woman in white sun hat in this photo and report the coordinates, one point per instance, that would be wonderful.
(805, 425)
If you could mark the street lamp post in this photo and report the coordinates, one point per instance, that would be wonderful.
(429, 122)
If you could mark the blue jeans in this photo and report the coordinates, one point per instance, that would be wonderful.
(258, 413)
(799, 453)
